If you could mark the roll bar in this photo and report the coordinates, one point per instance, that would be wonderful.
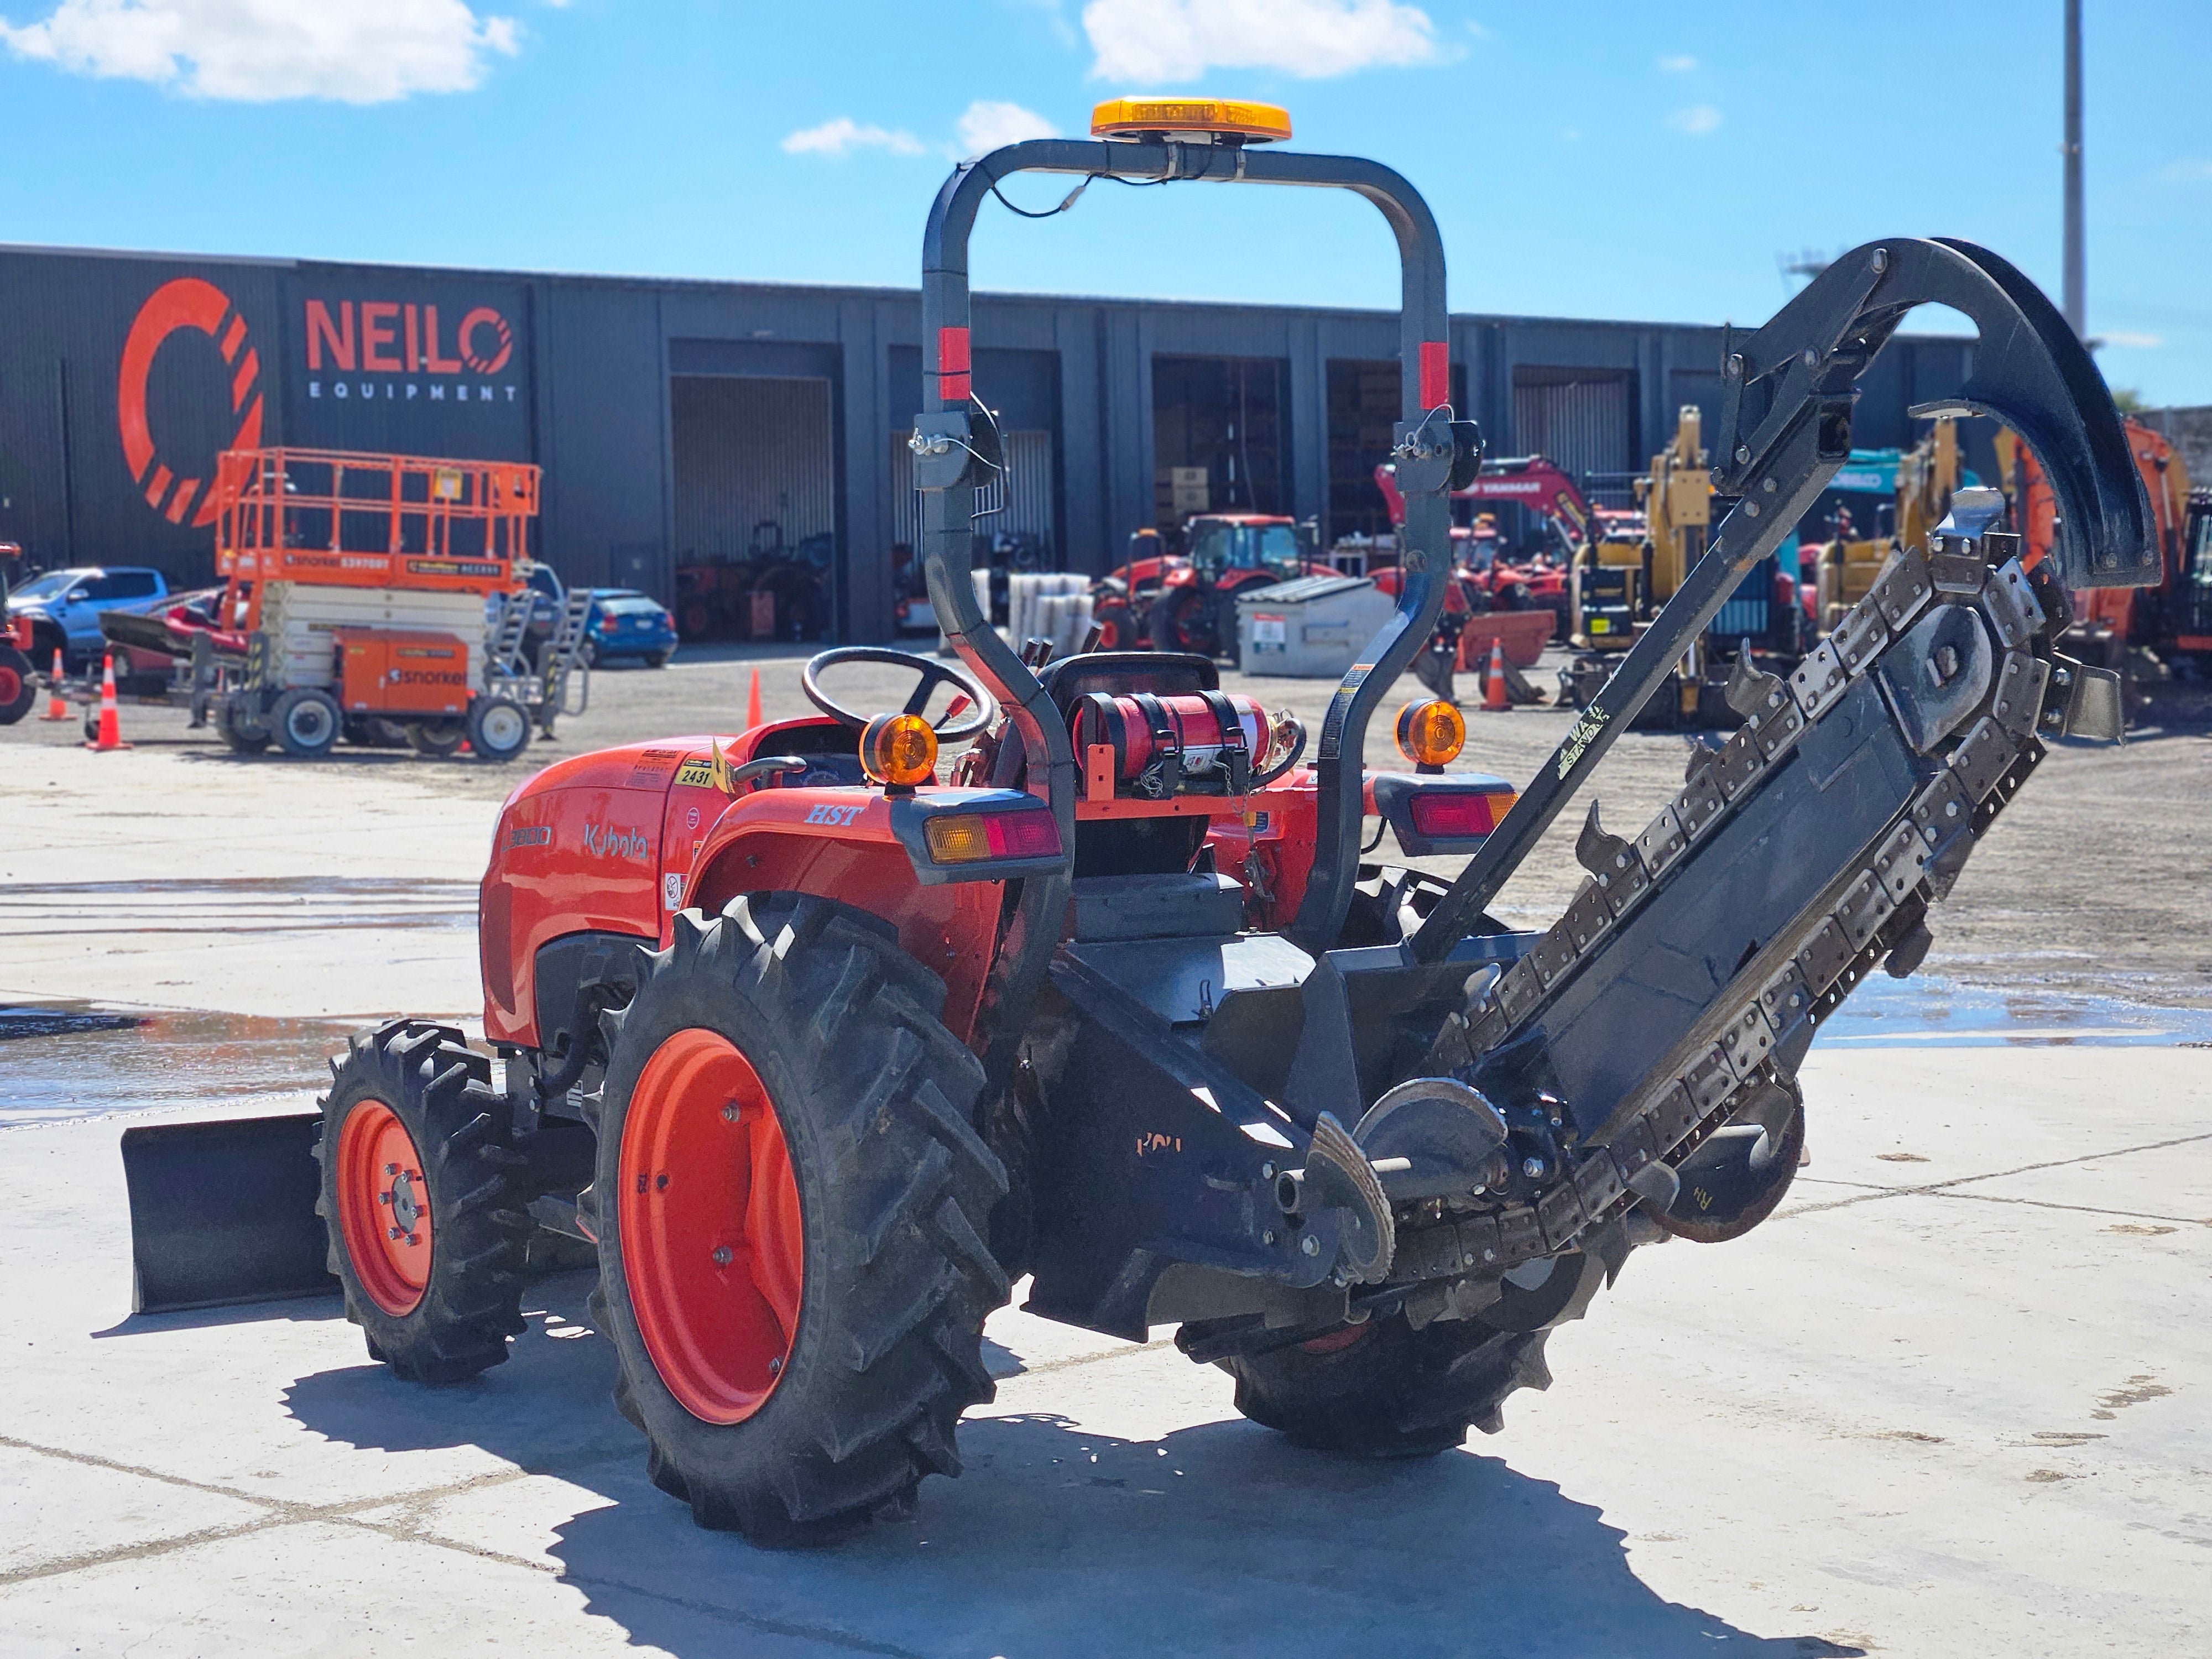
(956, 447)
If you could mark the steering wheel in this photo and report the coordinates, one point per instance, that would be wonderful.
(951, 729)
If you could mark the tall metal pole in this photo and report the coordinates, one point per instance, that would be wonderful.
(2073, 290)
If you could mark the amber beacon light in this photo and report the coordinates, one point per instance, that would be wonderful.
(1192, 120)
(1430, 734)
(899, 750)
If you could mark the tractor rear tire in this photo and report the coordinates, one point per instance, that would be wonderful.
(425, 1199)
(18, 691)
(1384, 1390)
(799, 1352)
(1184, 621)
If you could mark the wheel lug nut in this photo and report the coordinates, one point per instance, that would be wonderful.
(775, 1366)
(396, 1235)
(392, 1169)
(721, 1256)
(383, 1197)
(730, 1113)
(413, 1239)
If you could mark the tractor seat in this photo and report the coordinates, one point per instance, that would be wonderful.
(1126, 673)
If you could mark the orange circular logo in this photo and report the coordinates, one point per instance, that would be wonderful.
(175, 485)
(484, 316)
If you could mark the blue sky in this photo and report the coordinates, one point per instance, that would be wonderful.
(1585, 160)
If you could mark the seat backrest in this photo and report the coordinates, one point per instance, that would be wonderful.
(1125, 673)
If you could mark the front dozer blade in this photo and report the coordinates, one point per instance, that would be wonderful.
(224, 1213)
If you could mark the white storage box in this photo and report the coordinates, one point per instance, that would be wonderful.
(1314, 628)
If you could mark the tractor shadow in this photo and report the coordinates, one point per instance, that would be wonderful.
(1218, 1539)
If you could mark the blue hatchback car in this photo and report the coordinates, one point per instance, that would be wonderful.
(624, 622)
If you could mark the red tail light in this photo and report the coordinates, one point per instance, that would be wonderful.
(1022, 834)
(970, 837)
(1440, 814)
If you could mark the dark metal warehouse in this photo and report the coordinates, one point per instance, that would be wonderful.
(685, 426)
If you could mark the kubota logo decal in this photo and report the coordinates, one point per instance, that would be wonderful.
(174, 485)
(611, 842)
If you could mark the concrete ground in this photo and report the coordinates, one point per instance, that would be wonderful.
(1957, 1397)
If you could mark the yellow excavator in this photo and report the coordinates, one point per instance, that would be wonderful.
(1633, 563)
(1848, 566)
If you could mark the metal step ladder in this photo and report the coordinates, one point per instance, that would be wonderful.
(562, 657)
(509, 630)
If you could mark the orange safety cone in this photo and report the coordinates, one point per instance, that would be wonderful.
(56, 705)
(111, 724)
(1493, 681)
(752, 704)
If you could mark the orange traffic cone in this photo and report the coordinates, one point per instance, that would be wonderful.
(1494, 699)
(752, 704)
(57, 706)
(110, 726)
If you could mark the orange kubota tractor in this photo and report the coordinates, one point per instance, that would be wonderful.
(824, 1052)
(1186, 601)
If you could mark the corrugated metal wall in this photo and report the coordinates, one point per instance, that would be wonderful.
(1583, 424)
(1030, 498)
(749, 453)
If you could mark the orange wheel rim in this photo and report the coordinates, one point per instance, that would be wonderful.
(713, 1243)
(384, 1207)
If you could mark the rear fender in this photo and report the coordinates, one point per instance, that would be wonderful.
(793, 840)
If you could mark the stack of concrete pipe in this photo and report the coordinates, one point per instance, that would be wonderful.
(1052, 607)
(1055, 606)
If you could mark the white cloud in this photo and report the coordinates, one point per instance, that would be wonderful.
(985, 125)
(1680, 63)
(1697, 121)
(2120, 336)
(843, 136)
(354, 51)
(1163, 41)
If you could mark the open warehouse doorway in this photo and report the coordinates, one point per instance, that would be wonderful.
(755, 505)
(1220, 438)
(1584, 420)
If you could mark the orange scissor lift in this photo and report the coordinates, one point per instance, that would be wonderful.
(368, 590)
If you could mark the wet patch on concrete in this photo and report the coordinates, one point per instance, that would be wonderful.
(1930, 1010)
(74, 1060)
(237, 905)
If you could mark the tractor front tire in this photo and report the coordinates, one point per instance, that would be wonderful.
(792, 1199)
(424, 1196)
(1385, 1390)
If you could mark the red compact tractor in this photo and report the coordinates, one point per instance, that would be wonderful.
(1187, 601)
(19, 690)
(824, 1050)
